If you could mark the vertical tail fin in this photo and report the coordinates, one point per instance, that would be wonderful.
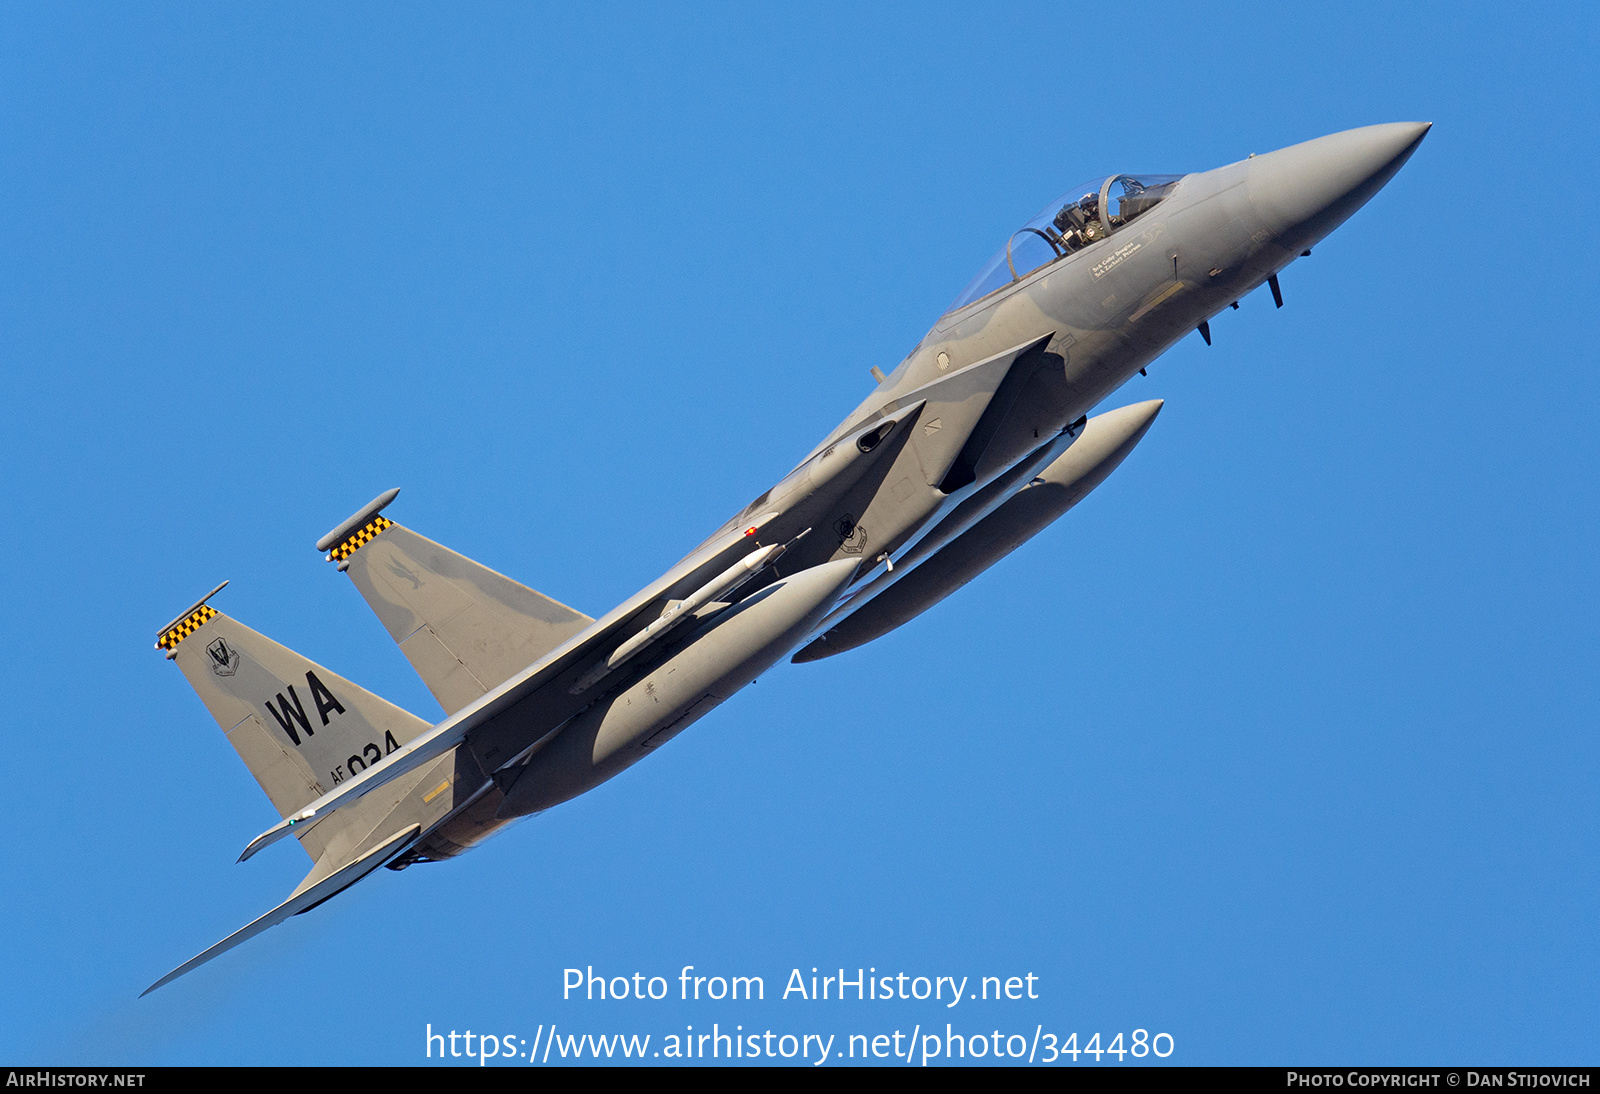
(465, 628)
(299, 727)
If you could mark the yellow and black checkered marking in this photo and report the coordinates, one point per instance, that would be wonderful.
(359, 540)
(187, 626)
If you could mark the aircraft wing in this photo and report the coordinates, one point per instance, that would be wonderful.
(567, 659)
(300, 902)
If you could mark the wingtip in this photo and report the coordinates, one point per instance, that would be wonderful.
(271, 835)
(254, 845)
(278, 831)
(167, 979)
(814, 652)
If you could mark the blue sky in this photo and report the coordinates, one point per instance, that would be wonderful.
(1283, 743)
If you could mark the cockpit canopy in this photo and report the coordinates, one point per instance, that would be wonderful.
(1081, 216)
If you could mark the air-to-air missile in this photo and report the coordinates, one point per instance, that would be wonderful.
(973, 443)
(722, 657)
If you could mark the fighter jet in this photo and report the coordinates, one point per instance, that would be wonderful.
(973, 443)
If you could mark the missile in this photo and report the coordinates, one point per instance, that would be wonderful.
(731, 649)
(822, 477)
(724, 584)
(1104, 444)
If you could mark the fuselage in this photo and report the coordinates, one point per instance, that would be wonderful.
(975, 442)
(1112, 307)
(1060, 320)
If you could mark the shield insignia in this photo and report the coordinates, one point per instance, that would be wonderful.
(853, 537)
(224, 658)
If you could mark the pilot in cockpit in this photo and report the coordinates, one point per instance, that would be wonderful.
(1079, 223)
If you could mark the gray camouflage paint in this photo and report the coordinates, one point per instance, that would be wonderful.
(994, 392)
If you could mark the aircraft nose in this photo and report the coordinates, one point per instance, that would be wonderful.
(1305, 191)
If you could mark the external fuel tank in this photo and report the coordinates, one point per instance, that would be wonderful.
(1106, 441)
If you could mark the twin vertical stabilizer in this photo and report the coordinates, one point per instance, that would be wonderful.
(465, 628)
(299, 727)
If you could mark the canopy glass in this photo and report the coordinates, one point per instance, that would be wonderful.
(1083, 215)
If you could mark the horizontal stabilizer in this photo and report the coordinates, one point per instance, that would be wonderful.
(465, 628)
(301, 902)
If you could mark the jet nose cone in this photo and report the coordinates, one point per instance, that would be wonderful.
(1305, 191)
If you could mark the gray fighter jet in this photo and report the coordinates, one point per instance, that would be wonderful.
(972, 444)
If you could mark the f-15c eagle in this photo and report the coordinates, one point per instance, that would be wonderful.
(972, 444)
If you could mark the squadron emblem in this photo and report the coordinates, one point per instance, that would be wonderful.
(852, 537)
(224, 658)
